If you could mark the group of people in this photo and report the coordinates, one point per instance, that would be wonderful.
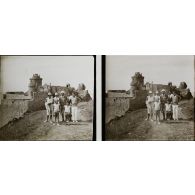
(165, 103)
(63, 105)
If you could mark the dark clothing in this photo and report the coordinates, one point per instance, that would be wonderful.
(63, 100)
(169, 115)
(163, 101)
(67, 116)
(163, 98)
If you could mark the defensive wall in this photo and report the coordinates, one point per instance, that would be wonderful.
(117, 104)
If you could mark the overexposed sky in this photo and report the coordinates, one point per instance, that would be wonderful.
(57, 70)
(159, 69)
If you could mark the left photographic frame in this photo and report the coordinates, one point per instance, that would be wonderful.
(47, 97)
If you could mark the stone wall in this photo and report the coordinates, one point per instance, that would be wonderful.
(117, 95)
(116, 107)
(17, 97)
(156, 87)
(85, 111)
(117, 104)
(12, 109)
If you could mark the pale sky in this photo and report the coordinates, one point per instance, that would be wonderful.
(159, 69)
(57, 70)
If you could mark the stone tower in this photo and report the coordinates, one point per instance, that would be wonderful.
(137, 83)
(35, 84)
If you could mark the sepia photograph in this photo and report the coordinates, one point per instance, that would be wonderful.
(149, 98)
(47, 98)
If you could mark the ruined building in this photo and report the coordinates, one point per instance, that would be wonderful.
(15, 103)
(119, 102)
(136, 84)
(35, 84)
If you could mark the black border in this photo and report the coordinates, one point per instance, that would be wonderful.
(104, 104)
(194, 98)
(103, 97)
(94, 99)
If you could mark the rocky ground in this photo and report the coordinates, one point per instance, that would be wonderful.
(32, 127)
(132, 126)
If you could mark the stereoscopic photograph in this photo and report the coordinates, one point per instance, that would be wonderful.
(47, 97)
(149, 98)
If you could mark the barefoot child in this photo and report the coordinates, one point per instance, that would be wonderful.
(168, 110)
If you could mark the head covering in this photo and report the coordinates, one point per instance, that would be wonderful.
(62, 92)
(156, 91)
(49, 93)
(56, 93)
(150, 92)
(163, 90)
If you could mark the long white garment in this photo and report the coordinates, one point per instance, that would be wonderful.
(74, 113)
(175, 112)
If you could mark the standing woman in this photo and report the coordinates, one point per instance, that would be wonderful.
(74, 100)
(157, 107)
(175, 102)
(150, 106)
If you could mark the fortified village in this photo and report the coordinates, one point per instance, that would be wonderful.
(15, 104)
(118, 102)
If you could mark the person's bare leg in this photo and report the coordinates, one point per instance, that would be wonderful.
(58, 120)
(62, 114)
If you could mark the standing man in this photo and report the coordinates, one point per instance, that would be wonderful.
(74, 100)
(150, 106)
(163, 100)
(63, 101)
(175, 102)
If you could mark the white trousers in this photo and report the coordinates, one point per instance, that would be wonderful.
(175, 112)
(74, 113)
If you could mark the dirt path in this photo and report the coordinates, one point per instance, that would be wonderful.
(32, 127)
(133, 126)
(170, 130)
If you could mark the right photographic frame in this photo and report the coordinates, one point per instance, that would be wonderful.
(148, 97)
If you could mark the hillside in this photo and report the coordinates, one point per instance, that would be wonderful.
(132, 126)
(32, 127)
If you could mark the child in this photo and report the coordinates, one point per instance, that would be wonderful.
(56, 110)
(168, 110)
(49, 107)
(67, 112)
(157, 107)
